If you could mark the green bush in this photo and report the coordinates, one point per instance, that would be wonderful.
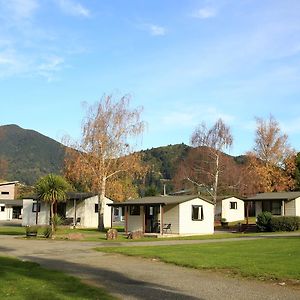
(264, 221)
(285, 223)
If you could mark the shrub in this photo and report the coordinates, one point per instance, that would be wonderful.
(57, 220)
(111, 234)
(285, 223)
(264, 221)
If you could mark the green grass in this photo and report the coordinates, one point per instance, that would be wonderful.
(26, 280)
(274, 258)
(12, 230)
(93, 235)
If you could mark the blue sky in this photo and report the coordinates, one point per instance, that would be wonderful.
(185, 62)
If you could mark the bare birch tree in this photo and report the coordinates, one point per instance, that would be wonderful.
(104, 151)
(215, 140)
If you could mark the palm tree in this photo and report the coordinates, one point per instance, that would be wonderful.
(52, 188)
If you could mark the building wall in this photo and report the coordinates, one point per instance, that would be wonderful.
(7, 188)
(171, 216)
(3, 214)
(232, 215)
(135, 223)
(297, 206)
(29, 217)
(290, 208)
(89, 218)
(85, 210)
(189, 226)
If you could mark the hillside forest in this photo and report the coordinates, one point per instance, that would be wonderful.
(272, 165)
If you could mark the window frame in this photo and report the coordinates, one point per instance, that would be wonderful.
(233, 205)
(200, 209)
(36, 207)
(4, 193)
(135, 210)
(96, 208)
(2, 208)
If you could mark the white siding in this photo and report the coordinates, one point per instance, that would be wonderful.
(188, 226)
(89, 218)
(297, 204)
(85, 209)
(135, 223)
(289, 208)
(171, 216)
(3, 214)
(232, 215)
(29, 217)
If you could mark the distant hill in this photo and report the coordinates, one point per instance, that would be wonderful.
(27, 155)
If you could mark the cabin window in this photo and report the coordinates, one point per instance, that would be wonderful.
(96, 207)
(233, 205)
(2, 208)
(135, 210)
(36, 207)
(4, 193)
(276, 208)
(197, 213)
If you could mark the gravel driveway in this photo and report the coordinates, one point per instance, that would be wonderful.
(137, 278)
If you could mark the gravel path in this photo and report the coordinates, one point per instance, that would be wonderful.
(137, 278)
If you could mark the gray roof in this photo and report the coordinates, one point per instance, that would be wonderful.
(164, 200)
(275, 196)
(12, 202)
(8, 182)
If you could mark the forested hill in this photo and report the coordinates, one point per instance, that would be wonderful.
(25, 155)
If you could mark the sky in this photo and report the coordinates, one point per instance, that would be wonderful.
(185, 62)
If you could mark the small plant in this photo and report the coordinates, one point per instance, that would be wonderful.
(57, 221)
(224, 222)
(31, 230)
(264, 221)
(47, 232)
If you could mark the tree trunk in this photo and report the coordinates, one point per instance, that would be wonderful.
(101, 198)
(51, 216)
(216, 180)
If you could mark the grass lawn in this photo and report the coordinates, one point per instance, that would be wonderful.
(26, 280)
(93, 235)
(274, 258)
(12, 230)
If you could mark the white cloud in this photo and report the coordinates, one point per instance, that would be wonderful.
(20, 9)
(73, 8)
(205, 13)
(193, 115)
(52, 65)
(156, 30)
(153, 29)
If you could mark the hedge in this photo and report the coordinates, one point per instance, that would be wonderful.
(285, 223)
(267, 222)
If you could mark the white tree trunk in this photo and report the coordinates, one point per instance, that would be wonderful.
(101, 200)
